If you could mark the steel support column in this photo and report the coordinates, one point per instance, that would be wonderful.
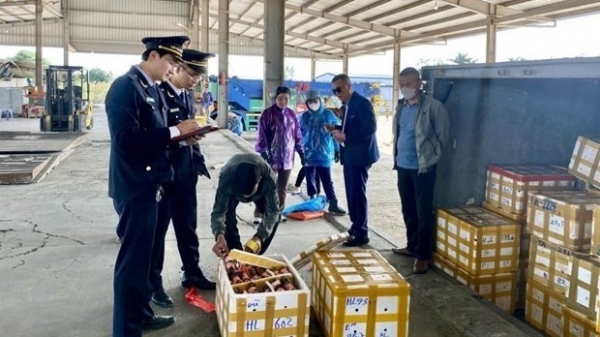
(313, 68)
(345, 61)
(273, 48)
(66, 33)
(491, 30)
(39, 9)
(396, 73)
(205, 20)
(223, 98)
(194, 25)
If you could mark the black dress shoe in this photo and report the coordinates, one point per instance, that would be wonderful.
(198, 281)
(355, 241)
(162, 299)
(158, 322)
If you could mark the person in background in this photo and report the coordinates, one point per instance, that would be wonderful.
(358, 151)
(420, 127)
(180, 196)
(320, 149)
(279, 137)
(296, 189)
(207, 100)
(139, 167)
(245, 178)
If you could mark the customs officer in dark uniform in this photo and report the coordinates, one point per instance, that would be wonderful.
(139, 167)
(180, 195)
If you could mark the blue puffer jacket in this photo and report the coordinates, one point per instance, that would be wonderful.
(319, 146)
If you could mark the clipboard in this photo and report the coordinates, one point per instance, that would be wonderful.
(199, 132)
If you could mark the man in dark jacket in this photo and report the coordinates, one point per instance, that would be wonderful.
(245, 178)
(180, 196)
(139, 167)
(358, 152)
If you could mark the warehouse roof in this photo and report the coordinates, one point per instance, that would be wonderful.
(320, 28)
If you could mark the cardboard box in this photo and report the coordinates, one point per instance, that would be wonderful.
(544, 308)
(583, 290)
(549, 265)
(507, 186)
(443, 264)
(577, 325)
(282, 313)
(478, 241)
(357, 292)
(563, 218)
(497, 288)
(595, 245)
(585, 159)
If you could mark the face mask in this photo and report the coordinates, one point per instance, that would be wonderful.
(408, 93)
(314, 106)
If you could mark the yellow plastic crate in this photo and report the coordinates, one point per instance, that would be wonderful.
(357, 293)
(278, 314)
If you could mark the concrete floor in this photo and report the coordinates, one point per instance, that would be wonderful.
(57, 251)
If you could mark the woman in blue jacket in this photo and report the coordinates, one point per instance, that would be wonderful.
(320, 149)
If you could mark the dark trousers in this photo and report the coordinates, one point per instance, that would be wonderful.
(416, 195)
(283, 176)
(302, 175)
(355, 179)
(232, 234)
(179, 205)
(137, 229)
(314, 174)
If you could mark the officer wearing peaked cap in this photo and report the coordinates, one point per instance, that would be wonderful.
(139, 167)
(180, 195)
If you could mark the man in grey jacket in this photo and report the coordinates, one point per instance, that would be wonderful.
(420, 129)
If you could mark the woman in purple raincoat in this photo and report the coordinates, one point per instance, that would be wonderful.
(279, 136)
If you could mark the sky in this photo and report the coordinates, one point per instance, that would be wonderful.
(574, 37)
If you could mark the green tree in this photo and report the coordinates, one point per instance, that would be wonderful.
(516, 59)
(97, 75)
(27, 56)
(462, 58)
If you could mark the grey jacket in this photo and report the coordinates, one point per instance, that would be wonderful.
(431, 131)
(227, 198)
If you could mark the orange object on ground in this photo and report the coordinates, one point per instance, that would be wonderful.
(196, 300)
(302, 216)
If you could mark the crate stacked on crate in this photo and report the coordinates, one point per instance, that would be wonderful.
(561, 225)
(507, 192)
(358, 293)
(480, 249)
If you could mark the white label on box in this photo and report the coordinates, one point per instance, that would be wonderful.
(577, 145)
(589, 154)
(340, 262)
(256, 303)
(387, 305)
(574, 230)
(508, 251)
(541, 273)
(538, 295)
(555, 305)
(357, 305)
(505, 263)
(452, 253)
(441, 246)
(507, 190)
(488, 239)
(584, 169)
(464, 248)
(441, 222)
(349, 278)
(355, 330)
(487, 253)
(503, 287)
(554, 324)
(494, 197)
(336, 255)
(346, 270)
(538, 220)
(557, 224)
(597, 176)
(441, 235)
(382, 277)
(494, 185)
(253, 325)
(462, 259)
(465, 235)
(562, 282)
(506, 201)
(563, 268)
(387, 329)
(584, 275)
(485, 289)
(507, 238)
(583, 297)
(452, 228)
(284, 322)
(542, 260)
(368, 262)
(360, 254)
(487, 265)
(537, 313)
(373, 269)
(452, 241)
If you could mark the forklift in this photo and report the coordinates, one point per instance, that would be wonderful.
(65, 108)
